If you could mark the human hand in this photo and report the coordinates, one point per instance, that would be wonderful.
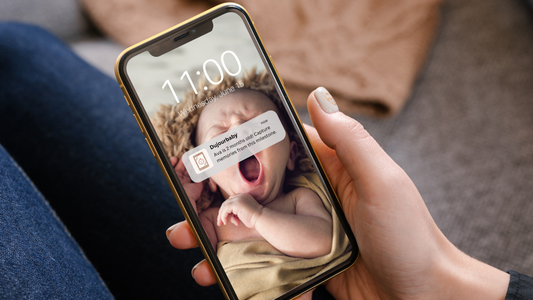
(403, 254)
(193, 189)
(240, 208)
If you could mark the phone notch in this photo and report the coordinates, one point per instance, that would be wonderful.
(177, 39)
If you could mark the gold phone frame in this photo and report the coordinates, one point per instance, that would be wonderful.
(157, 149)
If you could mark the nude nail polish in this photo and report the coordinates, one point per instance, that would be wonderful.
(325, 100)
(194, 269)
(171, 228)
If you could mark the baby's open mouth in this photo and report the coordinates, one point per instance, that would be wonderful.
(250, 168)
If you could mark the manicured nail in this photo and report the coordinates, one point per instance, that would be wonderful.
(194, 269)
(326, 101)
(171, 228)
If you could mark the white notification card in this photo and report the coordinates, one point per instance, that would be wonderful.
(233, 146)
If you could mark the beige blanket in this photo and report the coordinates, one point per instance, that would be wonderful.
(367, 53)
(257, 270)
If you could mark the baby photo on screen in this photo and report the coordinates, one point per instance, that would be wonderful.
(267, 216)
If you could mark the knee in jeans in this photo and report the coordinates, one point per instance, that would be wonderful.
(22, 37)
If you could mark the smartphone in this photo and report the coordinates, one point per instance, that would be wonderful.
(219, 122)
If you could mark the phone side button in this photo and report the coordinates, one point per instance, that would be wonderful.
(150, 145)
(139, 123)
(125, 94)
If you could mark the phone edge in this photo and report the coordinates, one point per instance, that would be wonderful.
(337, 204)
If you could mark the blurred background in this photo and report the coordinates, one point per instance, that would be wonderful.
(464, 136)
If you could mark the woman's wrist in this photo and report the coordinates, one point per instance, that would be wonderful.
(463, 277)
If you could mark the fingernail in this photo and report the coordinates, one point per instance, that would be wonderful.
(171, 228)
(326, 101)
(194, 269)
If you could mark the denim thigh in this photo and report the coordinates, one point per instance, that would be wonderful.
(38, 257)
(69, 128)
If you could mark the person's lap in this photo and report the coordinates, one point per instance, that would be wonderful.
(69, 128)
(38, 259)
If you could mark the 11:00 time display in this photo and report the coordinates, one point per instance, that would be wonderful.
(216, 64)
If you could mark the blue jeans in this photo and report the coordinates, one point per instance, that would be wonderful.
(68, 141)
(72, 156)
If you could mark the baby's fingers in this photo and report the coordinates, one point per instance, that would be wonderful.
(222, 218)
(179, 167)
(173, 161)
(235, 220)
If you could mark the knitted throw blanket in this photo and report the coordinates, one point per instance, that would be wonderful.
(367, 53)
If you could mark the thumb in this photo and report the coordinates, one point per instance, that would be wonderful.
(362, 157)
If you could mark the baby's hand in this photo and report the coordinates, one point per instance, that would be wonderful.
(193, 189)
(240, 208)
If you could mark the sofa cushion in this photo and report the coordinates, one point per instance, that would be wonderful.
(64, 18)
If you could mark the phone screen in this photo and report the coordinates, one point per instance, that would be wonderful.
(233, 142)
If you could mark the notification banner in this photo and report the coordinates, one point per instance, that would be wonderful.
(234, 146)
